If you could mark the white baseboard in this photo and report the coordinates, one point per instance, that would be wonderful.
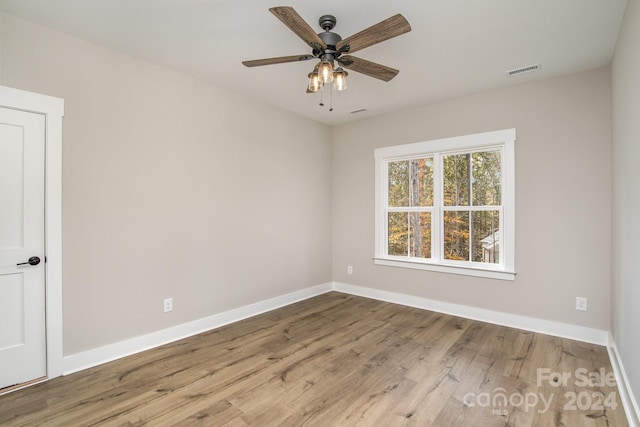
(624, 387)
(87, 359)
(97, 356)
(558, 329)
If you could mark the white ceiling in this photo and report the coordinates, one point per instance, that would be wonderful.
(455, 48)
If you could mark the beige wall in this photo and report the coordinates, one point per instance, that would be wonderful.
(563, 197)
(172, 188)
(0, 47)
(626, 194)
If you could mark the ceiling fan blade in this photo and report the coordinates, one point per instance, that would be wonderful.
(368, 68)
(377, 33)
(278, 60)
(291, 19)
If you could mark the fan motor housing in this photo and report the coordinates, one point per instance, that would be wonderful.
(329, 38)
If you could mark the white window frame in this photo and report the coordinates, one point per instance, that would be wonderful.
(502, 140)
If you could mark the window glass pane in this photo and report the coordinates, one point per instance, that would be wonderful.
(486, 236)
(486, 172)
(420, 234)
(456, 179)
(456, 235)
(398, 243)
(409, 234)
(411, 183)
(421, 182)
(399, 184)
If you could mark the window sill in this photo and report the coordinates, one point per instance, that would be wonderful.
(443, 268)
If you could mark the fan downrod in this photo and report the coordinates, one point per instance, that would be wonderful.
(327, 22)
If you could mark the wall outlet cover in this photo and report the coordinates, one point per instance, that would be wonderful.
(581, 304)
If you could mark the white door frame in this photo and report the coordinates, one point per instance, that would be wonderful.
(53, 109)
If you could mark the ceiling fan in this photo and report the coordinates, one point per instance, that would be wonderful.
(329, 47)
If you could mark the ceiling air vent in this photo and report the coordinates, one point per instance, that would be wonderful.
(361, 110)
(522, 70)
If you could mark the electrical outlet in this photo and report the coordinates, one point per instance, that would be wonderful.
(168, 305)
(349, 269)
(581, 304)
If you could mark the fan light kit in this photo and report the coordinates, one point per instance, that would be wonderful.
(329, 48)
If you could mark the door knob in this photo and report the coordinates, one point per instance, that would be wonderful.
(34, 260)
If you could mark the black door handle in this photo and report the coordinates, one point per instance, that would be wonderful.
(34, 260)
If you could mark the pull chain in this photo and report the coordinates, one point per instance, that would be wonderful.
(330, 98)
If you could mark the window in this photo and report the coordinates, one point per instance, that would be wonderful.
(448, 205)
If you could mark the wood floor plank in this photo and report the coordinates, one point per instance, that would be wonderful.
(335, 360)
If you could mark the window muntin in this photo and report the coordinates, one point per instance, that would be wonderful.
(448, 203)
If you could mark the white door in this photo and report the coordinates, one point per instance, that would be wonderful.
(22, 286)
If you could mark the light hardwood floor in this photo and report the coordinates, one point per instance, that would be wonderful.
(334, 360)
